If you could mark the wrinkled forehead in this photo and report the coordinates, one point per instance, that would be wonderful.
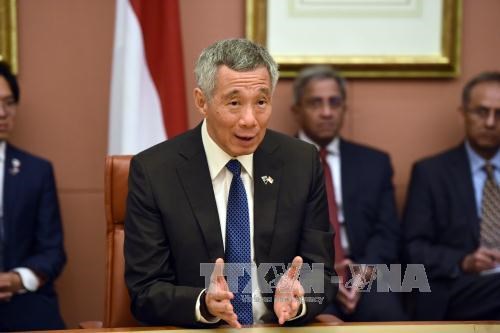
(225, 68)
(322, 86)
(258, 77)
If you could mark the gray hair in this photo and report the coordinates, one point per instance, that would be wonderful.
(320, 72)
(240, 55)
(492, 76)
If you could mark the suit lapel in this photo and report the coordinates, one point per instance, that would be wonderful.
(12, 183)
(349, 179)
(266, 164)
(195, 178)
(461, 177)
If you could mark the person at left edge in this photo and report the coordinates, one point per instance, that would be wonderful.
(178, 190)
(31, 237)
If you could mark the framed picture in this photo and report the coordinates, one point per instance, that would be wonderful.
(360, 38)
(8, 33)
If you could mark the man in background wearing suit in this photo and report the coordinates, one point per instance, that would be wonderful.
(228, 191)
(31, 240)
(360, 191)
(452, 215)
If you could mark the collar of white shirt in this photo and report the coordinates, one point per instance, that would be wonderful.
(3, 146)
(477, 162)
(332, 148)
(218, 158)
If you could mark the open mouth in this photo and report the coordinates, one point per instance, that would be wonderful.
(245, 138)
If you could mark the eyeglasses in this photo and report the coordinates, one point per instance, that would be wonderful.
(317, 103)
(484, 113)
(8, 106)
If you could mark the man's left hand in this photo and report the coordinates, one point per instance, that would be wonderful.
(289, 293)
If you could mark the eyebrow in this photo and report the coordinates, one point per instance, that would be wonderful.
(266, 91)
(232, 93)
(486, 107)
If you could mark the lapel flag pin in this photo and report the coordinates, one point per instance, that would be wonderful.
(267, 179)
(16, 166)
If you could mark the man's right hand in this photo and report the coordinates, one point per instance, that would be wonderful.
(480, 260)
(10, 284)
(218, 297)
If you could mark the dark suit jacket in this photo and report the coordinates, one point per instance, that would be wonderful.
(370, 214)
(32, 222)
(172, 223)
(441, 224)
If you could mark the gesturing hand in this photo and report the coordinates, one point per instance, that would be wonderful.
(10, 283)
(218, 298)
(288, 293)
(480, 260)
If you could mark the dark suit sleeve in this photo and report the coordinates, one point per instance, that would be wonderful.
(149, 270)
(48, 256)
(316, 244)
(383, 245)
(420, 227)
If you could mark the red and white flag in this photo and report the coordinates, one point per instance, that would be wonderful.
(148, 101)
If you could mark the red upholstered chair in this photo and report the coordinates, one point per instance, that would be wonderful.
(117, 301)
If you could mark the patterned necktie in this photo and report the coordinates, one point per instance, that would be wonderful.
(238, 246)
(490, 210)
(332, 212)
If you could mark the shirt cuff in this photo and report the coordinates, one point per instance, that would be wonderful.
(28, 278)
(197, 312)
(302, 312)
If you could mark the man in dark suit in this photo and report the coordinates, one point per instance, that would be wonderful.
(31, 245)
(447, 210)
(362, 204)
(181, 208)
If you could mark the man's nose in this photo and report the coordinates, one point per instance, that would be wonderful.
(248, 116)
(3, 110)
(491, 119)
(326, 109)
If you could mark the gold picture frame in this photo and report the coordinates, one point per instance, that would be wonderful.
(445, 64)
(8, 33)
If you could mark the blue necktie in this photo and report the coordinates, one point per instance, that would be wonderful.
(238, 245)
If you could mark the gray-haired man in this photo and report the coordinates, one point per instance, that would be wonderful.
(229, 191)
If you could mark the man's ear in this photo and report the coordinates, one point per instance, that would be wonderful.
(200, 101)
